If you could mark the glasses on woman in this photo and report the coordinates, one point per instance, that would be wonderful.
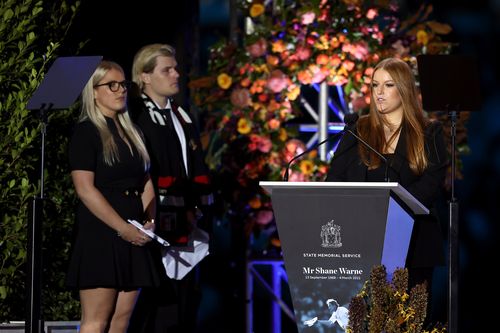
(114, 86)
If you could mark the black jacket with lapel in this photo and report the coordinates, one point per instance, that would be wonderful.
(426, 247)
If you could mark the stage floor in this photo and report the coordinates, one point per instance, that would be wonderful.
(50, 327)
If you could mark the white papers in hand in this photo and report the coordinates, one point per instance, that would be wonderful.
(149, 233)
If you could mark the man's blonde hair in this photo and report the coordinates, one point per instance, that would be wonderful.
(145, 60)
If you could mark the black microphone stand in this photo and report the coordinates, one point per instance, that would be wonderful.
(289, 164)
(442, 91)
(350, 119)
(59, 89)
(382, 157)
(34, 321)
(453, 236)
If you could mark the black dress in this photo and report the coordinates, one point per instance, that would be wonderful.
(100, 257)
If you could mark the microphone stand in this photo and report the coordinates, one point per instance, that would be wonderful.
(349, 120)
(453, 237)
(34, 321)
(382, 157)
(59, 89)
(289, 164)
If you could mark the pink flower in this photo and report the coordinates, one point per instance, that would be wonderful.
(258, 48)
(277, 81)
(307, 18)
(303, 53)
(273, 123)
(240, 97)
(318, 75)
(260, 143)
(264, 145)
(264, 217)
(297, 177)
(348, 65)
(371, 13)
(359, 50)
(292, 148)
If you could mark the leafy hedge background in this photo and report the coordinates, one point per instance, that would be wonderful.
(31, 33)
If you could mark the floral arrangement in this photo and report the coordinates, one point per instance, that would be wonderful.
(251, 92)
(383, 306)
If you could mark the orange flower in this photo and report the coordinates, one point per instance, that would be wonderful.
(245, 82)
(422, 37)
(313, 154)
(244, 126)
(278, 46)
(322, 43)
(224, 81)
(293, 66)
(273, 105)
(304, 77)
(255, 203)
(283, 135)
(306, 167)
(293, 92)
(272, 60)
(323, 169)
(334, 42)
(263, 98)
(257, 86)
(322, 59)
(273, 124)
(256, 9)
(335, 61)
(275, 242)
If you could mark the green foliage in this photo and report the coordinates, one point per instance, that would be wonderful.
(30, 34)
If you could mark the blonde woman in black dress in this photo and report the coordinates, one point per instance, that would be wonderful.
(109, 167)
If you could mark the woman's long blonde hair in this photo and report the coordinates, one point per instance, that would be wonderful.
(371, 127)
(91, 111)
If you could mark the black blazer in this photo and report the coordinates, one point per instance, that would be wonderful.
(426, 248)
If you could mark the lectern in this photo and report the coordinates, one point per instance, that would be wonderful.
(61, 86)
(332, 234)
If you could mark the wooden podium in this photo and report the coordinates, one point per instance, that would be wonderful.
(332, 234)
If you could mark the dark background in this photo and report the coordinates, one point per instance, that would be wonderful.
(191, 26)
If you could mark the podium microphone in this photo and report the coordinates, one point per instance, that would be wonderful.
(382, 157)
(349, 120)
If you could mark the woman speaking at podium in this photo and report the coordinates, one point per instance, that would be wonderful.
(400, 145)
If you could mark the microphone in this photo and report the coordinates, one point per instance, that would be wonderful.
(349, 120)
(382, 157)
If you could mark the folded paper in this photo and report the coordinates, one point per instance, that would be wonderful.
(180, 260)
